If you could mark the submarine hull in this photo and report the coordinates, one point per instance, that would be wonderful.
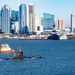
(20, 56)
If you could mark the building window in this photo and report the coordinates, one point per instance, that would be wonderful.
(38, 28)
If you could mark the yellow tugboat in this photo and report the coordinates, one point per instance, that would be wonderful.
(5, 48)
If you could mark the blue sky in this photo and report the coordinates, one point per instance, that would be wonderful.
(60, 8)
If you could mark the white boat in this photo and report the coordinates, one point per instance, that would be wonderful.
(21, 38)
(63, 37)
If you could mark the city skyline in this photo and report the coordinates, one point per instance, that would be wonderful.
(60, 8)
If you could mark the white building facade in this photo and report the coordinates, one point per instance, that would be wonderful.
(31, 18)
(38, 25)
(73, 22)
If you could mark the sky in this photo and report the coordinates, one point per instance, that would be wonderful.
(60, 8)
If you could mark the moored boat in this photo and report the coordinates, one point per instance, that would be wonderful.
(63, 37)
(53, 37)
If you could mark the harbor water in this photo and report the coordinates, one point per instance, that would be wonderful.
(58, 57)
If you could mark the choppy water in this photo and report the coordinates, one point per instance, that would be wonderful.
(58, 57)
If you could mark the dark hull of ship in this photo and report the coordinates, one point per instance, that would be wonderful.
(53, 37)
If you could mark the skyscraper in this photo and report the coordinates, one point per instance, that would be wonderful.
(31, 18)
(5, 18)
(14, 19)
(73, 22)
(14, 15)
(22, 18)
(48, 21)
(61, 24)
(0, 21)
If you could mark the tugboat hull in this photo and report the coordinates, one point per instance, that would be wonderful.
(6, 51)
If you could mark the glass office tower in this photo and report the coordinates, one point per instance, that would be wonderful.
(0, 21)
(22, 18)
(14, 19)
(48, 21)
(5, 19)
(14, 15)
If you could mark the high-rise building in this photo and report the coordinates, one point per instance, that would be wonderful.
(15, 28)
(0, 21)
(31, 18)
(48, 21)
(22, 18)
(38, 25)
(61, 24)
(73, 22)
(14, 19)
(14, 15)
(5, 19)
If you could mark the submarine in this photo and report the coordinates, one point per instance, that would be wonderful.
(19, 56)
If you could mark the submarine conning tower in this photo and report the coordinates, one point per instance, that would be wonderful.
(18, 55)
